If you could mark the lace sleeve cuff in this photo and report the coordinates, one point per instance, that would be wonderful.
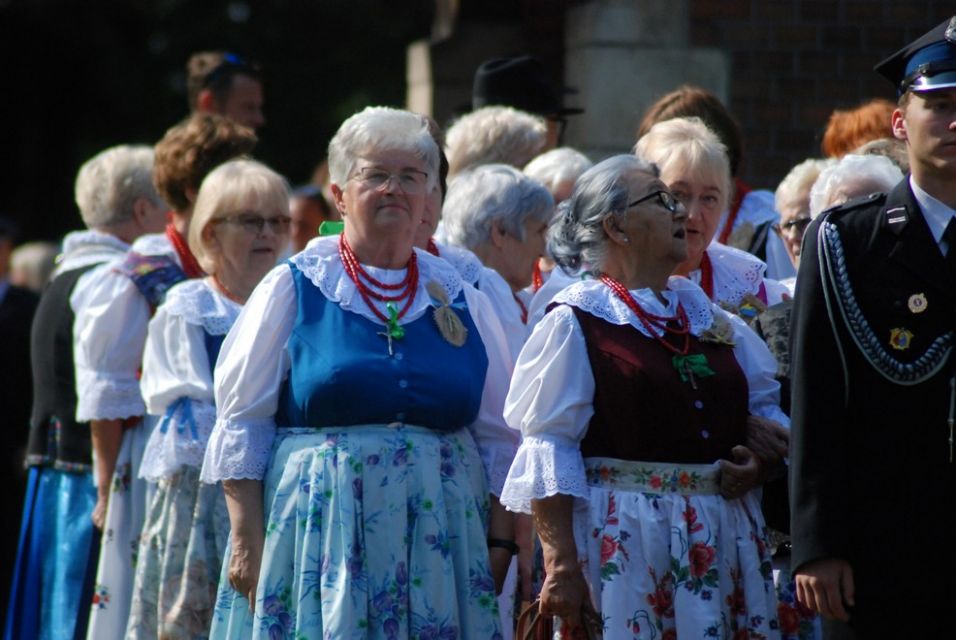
(101, 398)
(238, 451)
(178, 440)
(541, 469)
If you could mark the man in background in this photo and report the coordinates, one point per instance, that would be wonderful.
(226, 84)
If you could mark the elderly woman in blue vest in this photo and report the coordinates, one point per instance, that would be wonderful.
(239, 227)
(359, 428)
(633, 397)
(501, 216)
(118, 203)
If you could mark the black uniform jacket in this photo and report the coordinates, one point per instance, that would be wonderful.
(871, 475)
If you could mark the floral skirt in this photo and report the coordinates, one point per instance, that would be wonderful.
(667, 557)
(180, 558)
(55, 541)
(118, 550)
(371, 532)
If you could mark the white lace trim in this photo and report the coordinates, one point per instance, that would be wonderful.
(155, 244)
(736, 273)
(238, 451)
(543, 468)
(105, 398)
(465, 262)
(199, 304)
(82, 248)
(321, 264)
(596, 298)
(168, 451)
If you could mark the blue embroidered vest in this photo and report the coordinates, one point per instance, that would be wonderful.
(342, 374)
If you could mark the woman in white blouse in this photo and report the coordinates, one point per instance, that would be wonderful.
(634, 397)
(359, 436)
(501, 216)
(695, 167)
(240, 225)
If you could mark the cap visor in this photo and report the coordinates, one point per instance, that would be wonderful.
(944, 80)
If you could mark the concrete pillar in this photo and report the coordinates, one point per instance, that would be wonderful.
(622, 55)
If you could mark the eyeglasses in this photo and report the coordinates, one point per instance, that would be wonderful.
(793, 225)
(254, 224)
(665, 198)
(410, 181)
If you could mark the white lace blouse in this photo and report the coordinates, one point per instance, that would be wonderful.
(254, 361)
(108, 338)
(737, 273)
(466, 263)
(552, 390)
(509, 313)
(177, 371)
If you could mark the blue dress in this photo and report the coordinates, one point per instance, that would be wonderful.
(376, 501)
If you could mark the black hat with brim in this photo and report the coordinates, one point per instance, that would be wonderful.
(518, 82)
(928, 63)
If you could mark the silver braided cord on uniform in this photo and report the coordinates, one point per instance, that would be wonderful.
(833, 268)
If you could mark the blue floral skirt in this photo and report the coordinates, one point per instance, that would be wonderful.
(371, 532)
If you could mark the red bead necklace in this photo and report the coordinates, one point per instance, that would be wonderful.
(707, 275)
(651, 321)
(524, 309)
(432, 248)
(406, 289)
(190, 265)
(537, 280)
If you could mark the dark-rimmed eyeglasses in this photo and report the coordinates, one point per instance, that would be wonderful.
(666, 199)
(793, 225)
(254, 224)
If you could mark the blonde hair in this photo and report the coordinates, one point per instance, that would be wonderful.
(234, 187)
(686, 145)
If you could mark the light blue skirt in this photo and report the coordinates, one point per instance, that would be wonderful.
(371, 532)
(54, 551)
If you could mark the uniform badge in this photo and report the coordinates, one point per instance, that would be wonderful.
(900, 338)
(917, 303)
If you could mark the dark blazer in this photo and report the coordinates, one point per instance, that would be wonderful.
(871, 476)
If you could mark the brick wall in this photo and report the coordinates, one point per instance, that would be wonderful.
(794, 62)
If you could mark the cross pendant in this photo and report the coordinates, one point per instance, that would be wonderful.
(388, 336)
(689, 372)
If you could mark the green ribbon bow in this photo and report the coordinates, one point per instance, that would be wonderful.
(394, 329)
(694, 364)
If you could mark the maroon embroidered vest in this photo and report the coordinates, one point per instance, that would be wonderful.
(642, 409)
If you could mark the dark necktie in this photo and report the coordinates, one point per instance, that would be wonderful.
(950, 235)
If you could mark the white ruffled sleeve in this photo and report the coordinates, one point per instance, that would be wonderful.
(109, 333)
(497, 442)
(552, 401)
(252, 364)
(176, 371)
(760, 368)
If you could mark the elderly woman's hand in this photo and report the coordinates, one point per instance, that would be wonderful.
(741, 475)
(769, 440)
(244, 564)
(563, 594)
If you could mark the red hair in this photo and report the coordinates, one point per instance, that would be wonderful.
(849, 129)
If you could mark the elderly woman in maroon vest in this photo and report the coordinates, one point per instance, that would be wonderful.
(634, 396)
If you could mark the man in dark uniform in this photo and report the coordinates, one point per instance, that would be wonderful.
(874, 380)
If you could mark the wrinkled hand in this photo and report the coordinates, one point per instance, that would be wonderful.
(769, 440)
(563, 594)
(826, 586)
(741, 475)
(99, 510)
(244, 564)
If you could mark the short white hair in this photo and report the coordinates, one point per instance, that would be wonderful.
(494, 135)
(234, 187)
(489, 193)
(377, 129)
(109, 184)
(688, 145)
(852, 177)
(800, 180)
(558, 166)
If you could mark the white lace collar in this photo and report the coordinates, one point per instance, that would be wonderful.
(320, 263)
(596, 298)
(82, 248)
(156, 244)
(200, 304)
(736, 273)
(465, 262)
